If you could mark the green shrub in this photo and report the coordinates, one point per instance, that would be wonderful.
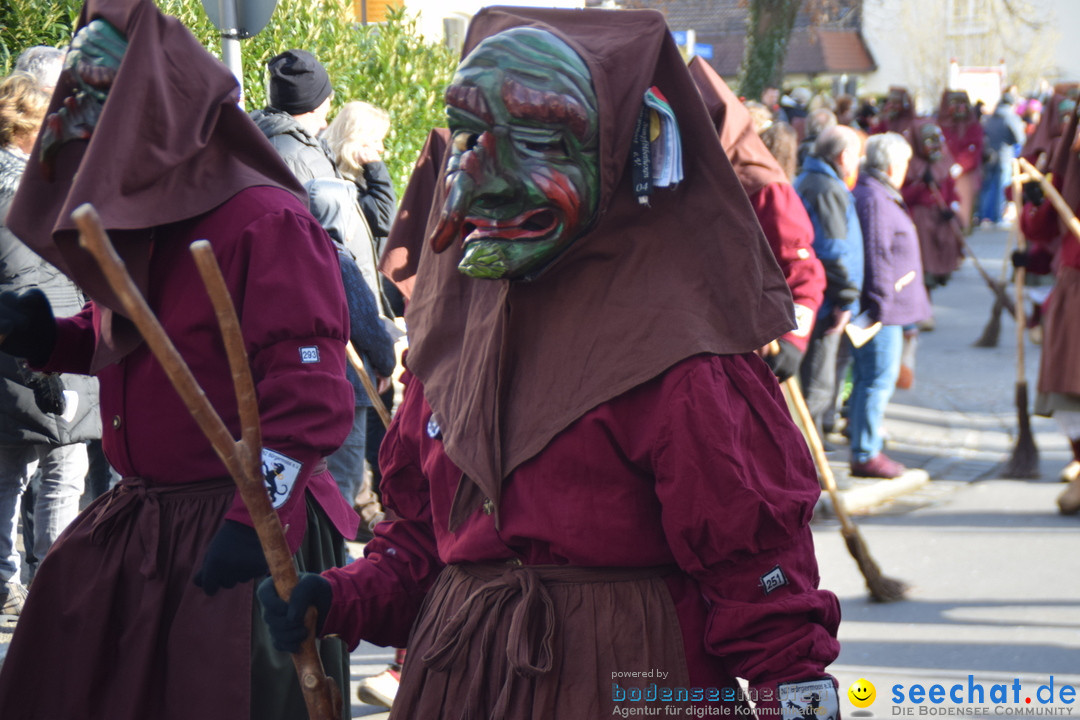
(388, 65)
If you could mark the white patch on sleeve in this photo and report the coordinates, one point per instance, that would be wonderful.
(280, 474)
(804, 321)
(810, 700)
(309, 354)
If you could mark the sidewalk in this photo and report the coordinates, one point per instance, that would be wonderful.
(958, 423)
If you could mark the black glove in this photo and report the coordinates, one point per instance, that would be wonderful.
(286, 619)
(28, 325)
(234, 556)
(786, 362)
(947, 214)
(1020, 258)
(928, 177)
(1032, 192)
(48, 391)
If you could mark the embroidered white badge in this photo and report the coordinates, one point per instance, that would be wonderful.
(309, 354)
(433, 429)
(280, 473)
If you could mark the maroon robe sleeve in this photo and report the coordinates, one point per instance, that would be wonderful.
(738, 489)
(791, 236)
(378, 598)
(282, 271)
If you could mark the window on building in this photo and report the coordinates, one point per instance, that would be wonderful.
(969, 17)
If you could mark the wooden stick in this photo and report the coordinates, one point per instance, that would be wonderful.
(1063, 210)
(954, 225)
(882, 588)
(369, 386)
(243, 458)
(1024, 461)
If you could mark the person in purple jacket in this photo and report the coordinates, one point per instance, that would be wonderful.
(893, 294)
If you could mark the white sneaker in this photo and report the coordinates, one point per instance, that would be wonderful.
(379, 689)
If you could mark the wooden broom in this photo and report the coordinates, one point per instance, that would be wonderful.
(882, 589)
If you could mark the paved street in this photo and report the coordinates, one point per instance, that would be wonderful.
(995, 588)
(995, 591)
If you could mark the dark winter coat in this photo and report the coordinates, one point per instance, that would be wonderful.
(305, 155)
(22, 421)
(838, 239)
(1003, 132)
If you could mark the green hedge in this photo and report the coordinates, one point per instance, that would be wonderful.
(387, 65)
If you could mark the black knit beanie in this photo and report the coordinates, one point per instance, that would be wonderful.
(298, 82)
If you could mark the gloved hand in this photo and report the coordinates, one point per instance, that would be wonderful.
(928, 176)
(1032, 192)
(28, 325)
(1020, 258)
(234, 556)
(48, 392)
(947, 214)
(286, 619)
(785, 363)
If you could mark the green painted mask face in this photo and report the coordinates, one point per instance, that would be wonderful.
(523, 175)
(92, 64)
(932, 140)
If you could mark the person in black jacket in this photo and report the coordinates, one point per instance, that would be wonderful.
(45, 420)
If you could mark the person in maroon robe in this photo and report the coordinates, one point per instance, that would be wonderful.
(592, 474)
(897, 114)
(1041, 144)
(964, 140)
(930, 193)
(145, 126)
(777, 206)
(1055, 249)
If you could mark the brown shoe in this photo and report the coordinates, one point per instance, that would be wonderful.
(1069, 501)
(879, 466)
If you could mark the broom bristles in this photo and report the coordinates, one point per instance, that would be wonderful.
(882, 589)
(990, 333)
(1024, 463)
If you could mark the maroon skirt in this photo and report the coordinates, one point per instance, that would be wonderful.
(511, 642)
(941, 251)
(1059, 365)
(114, 628)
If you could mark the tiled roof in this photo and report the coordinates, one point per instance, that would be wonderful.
(833, 46)
(810, 51)
(729, 16)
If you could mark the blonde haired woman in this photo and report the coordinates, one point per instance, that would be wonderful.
(355, 140)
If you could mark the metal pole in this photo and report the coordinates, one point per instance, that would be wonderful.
(230, 43)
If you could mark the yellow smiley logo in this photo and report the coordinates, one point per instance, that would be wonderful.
(862, 693)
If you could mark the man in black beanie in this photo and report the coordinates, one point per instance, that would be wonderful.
(300, 94)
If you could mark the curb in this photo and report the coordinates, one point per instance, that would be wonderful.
(864, 497)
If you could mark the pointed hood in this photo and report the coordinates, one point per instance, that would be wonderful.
(507, 365)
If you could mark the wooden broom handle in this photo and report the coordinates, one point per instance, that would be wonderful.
(243, 458)
(794, 394)
(1021, 273)
(369, 386)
